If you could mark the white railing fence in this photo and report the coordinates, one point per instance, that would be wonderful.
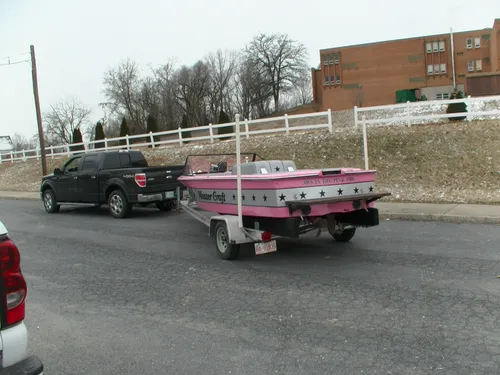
(410, 113)
(179, 136)
(425, 112)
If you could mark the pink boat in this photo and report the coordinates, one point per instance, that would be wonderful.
(276, 189)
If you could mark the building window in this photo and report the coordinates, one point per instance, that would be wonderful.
(470, 66)
(327, 82)
(436, 68)
(443, 68)
(429, 70)
(337, 58)
(332, 80)
(435, 46)
(428, 47)
(325, 59)
(446, 95)
(441, 46)
(468, 43)
(338, 80)
(479, 65)
(439, 96)
(331, 59)
(477, 42)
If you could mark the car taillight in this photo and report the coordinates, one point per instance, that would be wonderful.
(13, 284)
(140, 179)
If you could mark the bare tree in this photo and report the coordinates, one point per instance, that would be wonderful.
(169, 112)
(122, 89)
(280, 59)
(64, 117)
(222, 67)
(193, 86)
(252, 92)
(21, 142)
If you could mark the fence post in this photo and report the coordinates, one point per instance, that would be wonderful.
(365, 142)
(211, 132)
(152, 139)
(330, 124)
(127, 141)
(469, 108)
(67, 149)
(12, 157)
(408, 121)
(106, 143)
(180, 136)
(247, 133)
(286, 124)
(51, 152)
(355, 116)
(37, 154)
(24, 155)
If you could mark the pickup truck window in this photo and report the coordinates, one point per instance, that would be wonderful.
(91, 163)
(112, 161)
(138, 160)
(125, 160)
(72, 165)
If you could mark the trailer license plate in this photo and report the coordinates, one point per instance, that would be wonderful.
(265, 247)
(169, 194)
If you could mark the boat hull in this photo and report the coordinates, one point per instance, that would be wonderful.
(273, 195)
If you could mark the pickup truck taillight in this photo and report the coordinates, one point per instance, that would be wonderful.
(140, 179)
(13, 285)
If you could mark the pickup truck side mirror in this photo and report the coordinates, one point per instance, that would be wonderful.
(58, 172)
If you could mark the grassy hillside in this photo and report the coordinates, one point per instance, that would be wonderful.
(428, 163)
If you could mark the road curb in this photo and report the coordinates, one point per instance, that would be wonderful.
(455, 219)
(18, 198)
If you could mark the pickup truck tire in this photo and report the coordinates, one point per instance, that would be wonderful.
(118, 204)
(49, 201)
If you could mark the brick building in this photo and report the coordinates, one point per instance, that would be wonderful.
(406, 69)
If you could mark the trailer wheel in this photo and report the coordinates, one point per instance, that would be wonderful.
(165, 205)
(344, 235)
(226, 250)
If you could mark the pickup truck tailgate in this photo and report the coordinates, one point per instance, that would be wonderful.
(162, 178)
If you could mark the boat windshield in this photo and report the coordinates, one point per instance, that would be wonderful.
(215, 163)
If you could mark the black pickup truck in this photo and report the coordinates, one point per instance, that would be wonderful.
(118, 178)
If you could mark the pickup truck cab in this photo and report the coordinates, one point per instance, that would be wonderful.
(119, 178)
(14, 358)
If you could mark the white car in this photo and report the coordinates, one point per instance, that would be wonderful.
(14, 357)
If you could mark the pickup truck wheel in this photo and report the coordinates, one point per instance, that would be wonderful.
(118, 204)
(225, 249)
(165, 205)
(344, 235)
(49, 201)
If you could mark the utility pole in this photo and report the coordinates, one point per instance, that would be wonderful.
(38, 112)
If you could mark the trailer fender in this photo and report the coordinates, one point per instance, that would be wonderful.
(235, 234)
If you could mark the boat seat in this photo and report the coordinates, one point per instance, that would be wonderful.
(266, 166)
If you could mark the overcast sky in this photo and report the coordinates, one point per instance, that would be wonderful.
(76, 40)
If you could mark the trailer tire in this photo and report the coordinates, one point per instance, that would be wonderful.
(344, 235)
(225, 249)
(165, 205)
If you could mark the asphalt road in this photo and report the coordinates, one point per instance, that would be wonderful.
(148, 295)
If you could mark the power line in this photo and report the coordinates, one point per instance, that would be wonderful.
(17, 54)
(15, 62)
